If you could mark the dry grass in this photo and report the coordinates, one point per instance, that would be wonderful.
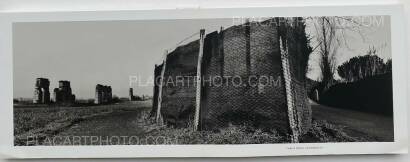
(321, 132)
(324, 132)
(229, 135)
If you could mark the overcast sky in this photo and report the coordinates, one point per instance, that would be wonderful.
(109, 52)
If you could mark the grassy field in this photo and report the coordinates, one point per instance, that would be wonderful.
(43, 121)
(132, 119)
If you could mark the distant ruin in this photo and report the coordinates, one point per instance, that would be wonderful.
(131, 94)
(274, 48)
(103, 94)
(63, 93)
(41, 91)
(133, 97)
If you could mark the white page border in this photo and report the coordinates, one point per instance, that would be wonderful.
(399, 87)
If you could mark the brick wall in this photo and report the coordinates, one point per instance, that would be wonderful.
(249, 50)
(223, 102)
(178, 99)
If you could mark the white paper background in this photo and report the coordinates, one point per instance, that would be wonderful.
(81, 5)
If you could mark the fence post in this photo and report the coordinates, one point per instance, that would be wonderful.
(198, 79)
(289, 95)
(164, 63)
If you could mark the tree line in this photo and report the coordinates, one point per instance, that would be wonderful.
(361, 67)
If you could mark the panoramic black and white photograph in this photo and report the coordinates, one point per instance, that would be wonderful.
(226, 81)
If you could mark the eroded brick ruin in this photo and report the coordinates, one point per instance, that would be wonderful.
(41, 91)
(131, 94)
(63, 93)
(103, 94)
(270, 48)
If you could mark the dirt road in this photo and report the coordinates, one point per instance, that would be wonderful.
(357, 124)
(117, 128)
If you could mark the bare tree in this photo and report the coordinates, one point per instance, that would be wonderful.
(327, 48)
(330, 34)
